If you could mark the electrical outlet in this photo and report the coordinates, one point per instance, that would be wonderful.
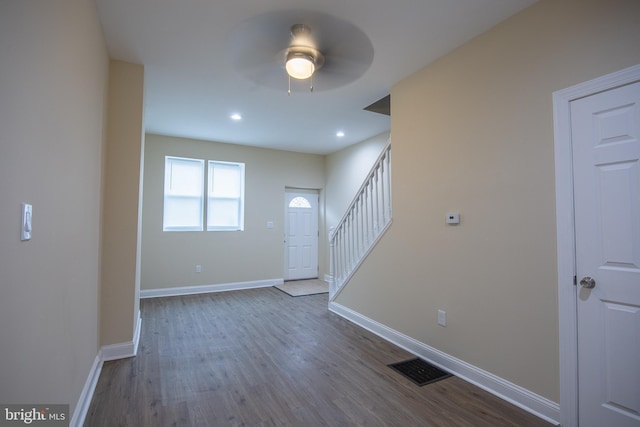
(453, 218)
(198, 268)
(442, 318)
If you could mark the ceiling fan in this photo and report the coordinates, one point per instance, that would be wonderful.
(313, 48)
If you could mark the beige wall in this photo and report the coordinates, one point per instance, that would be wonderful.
(120, 226)
(53, 84)
(473, 132)
(257, 253)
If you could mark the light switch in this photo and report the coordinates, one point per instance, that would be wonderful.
(442, 318)
(269, 224)
(453, 218)
(25, 224)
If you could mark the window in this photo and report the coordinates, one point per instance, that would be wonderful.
(299, 202)
(183, 194)
(225, 196)
(184, 189)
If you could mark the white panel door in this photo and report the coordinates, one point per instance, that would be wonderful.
(606, 155)
(301, 235)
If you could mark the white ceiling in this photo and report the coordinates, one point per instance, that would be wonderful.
(192, 88)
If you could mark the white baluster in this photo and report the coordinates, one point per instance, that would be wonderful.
(388, 182)
(368, 214)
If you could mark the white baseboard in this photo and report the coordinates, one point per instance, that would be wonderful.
(122, 350)
(82, 407)
(107, 352)
(519, 396)
(205, 289)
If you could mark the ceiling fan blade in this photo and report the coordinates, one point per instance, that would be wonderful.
(256, 49)
(252, 46)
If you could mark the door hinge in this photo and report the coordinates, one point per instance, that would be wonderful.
(575, 280)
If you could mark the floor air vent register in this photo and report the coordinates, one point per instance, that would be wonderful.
(419, 371)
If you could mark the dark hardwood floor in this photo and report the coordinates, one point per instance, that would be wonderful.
(262, 358)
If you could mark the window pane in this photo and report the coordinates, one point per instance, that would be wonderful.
(182, 212)
(223, 213)
(225, 180)
(184, 176)
(183, 194)
(225, 201)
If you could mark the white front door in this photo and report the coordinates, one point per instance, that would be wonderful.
(301, 234)
(605, 131)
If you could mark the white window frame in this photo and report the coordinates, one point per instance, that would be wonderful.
(169, 195)
(211, 198)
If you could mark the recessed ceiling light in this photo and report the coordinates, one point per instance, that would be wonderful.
(236, 116)
(339, 134)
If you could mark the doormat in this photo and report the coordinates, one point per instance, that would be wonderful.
(419, 371)
(300, 288)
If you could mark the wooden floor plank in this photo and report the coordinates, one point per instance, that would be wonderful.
(261, 358)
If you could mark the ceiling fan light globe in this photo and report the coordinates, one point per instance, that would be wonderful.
(300, 66)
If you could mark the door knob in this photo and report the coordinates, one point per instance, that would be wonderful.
(588, 282)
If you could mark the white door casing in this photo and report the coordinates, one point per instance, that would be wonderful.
(301, 234)
(597, 127)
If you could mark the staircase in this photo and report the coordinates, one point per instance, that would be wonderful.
(363, 224)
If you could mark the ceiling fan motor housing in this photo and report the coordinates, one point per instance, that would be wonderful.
(302, 59)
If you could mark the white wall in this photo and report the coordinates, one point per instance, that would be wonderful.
(473, 132)
(346, 170)
(257, 253)
(53, 83)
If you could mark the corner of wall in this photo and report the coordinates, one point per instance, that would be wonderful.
(121, 204)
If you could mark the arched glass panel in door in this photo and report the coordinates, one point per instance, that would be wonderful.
(299, 202)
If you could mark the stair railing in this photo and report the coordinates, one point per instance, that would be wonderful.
(364, 222)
